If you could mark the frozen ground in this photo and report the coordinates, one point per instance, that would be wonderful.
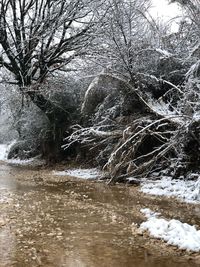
(80, 173)
(188, 191)
(174, 232)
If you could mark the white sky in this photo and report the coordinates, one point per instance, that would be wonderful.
(162, 9)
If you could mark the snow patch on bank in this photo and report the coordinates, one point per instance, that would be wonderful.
(80, 173)
(3, 151)
(188, 191)
(32, 161)
(174, 232)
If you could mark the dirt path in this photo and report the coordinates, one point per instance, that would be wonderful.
(48, 220)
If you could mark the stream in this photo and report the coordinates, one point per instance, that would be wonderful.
(62, 221)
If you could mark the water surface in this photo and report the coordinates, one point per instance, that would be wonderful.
(74, 223)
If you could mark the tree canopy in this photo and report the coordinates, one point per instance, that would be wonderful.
(39, 36)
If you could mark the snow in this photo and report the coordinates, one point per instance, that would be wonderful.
(163, 109)
(188, 191)
(92, 173)
(164, 52)
(36, 161)
(149, 213)
(4, 148)
(3, 151)
(161, 9)
(174, 232)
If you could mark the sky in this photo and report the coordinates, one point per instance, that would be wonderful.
(162, 9)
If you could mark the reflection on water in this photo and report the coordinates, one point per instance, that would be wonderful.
(7, 246)
(72, 224)
(6, 178)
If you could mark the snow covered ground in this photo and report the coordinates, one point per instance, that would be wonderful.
(4, 148)
(80, 173)
(188, 191)
(31, 161)
(174, 232)
(3, 151)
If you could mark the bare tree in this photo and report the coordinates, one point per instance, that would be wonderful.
(38, 37)
(125, 35)
(192, 7)
(191, 21)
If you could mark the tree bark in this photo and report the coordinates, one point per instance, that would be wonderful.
(59, 120)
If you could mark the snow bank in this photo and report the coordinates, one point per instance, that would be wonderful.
(174, 232)
(4, 148)
(188, 191)
(20, 161)
(36, 161)
(3, 151)
(80, 173)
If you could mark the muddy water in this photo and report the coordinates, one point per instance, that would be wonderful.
(57, 222)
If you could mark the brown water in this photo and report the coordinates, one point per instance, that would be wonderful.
(56, 223)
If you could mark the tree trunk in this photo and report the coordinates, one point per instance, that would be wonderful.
(59, 120)
(51, 144)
